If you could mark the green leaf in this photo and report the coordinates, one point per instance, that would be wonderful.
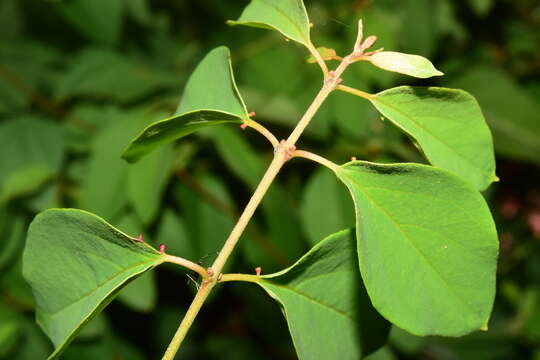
(511, 112)
(289, 17)
(105, 187)
(210, 98)
(412, 65)
(35, 147)
(447, 124)
(147, 180)
(322, 296)
(324, 195)
(427, 246)
(105, 74)
(76, 263)
(99, 20)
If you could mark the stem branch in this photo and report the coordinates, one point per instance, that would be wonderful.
(263, 131)
(282, 153)
(187, 264)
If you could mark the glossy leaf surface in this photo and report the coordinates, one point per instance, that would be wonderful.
(289, 17)
(324, 301)
(76, 263)
(447, 124)
(427, 246)
(210, 98)
(412, 65)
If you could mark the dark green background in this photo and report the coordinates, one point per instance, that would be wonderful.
(79, 78)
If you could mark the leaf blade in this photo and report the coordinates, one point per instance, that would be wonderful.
(412, 65)
(427, 246)
(325, 284)
(201, 106)
(96, 261)
(437, 119)
(289, 17)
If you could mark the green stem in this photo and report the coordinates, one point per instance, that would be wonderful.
(282, 153)
(187, 264)
(317, 158)
(239, 277)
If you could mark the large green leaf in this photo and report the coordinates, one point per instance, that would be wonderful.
(32, 149)
(427, 246)
(210, 98)
(511, 112)
(105, 186)
(447, 124)
(289, 17)
(326, 207)
(105, 74)
(99, 20)
(76, 263)
(328, 311)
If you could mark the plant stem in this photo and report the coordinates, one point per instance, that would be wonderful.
(263, 131)
(187, 264)
(318, 58)
(356, 92)
(239, 277)
(282, 153)
(188, 319)
(316, 158)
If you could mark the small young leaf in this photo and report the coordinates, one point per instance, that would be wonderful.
(412, 65)
(447, 124)
(326, 54)
(328, 311)
(427, 246)
(210, 98)
(76, 263)
(289, 17)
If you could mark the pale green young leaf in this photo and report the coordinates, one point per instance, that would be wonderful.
(76, 263)
(325, 303)
(210, 98)
(289, 17)
(412, 65)
(447, 124)
(427, 246)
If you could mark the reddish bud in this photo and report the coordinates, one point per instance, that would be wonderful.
(252, 114)
(140, 238)
(353, 158)
(243, 126)
(210, 271)
(162, 248)
(258, 271)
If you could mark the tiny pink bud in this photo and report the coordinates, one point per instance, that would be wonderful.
(210, 271)
(140, 238)
(162, 248)
(252, 114)
(353, 158)
(258, 270)
(243, 126)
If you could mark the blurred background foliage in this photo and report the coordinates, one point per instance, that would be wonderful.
(79, 78)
